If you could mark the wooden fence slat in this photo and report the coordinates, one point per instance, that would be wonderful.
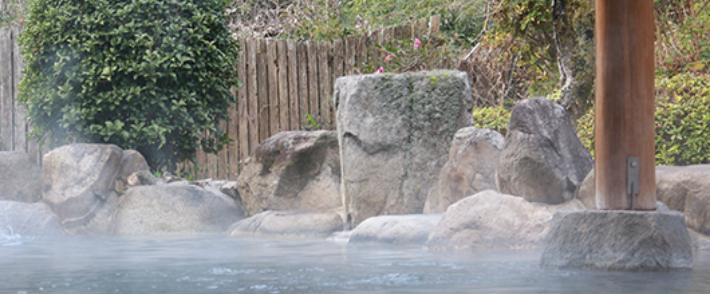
(387, 35)
(350, 49)
(302, 82)
(273, 86)
(372, 42)
(231, 127)
(20, 123)
(6, 86)
(419, 28)
(361, 53)
(324, 80)
(284, 122)
(262, 91)
(252, 94)
(242, 120)
(338, 54)
(313, 108)
(434, 24)
(295, 121)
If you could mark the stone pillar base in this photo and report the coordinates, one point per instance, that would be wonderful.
(618, 240)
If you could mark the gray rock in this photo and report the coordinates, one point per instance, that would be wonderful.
(143, 178)
(493, 220)
(79, 184)
(542, 159)
(472, 165)
(168, 209)
(28, 219)
(618, 240)
(411, 229)
(295, 170)
(20, 177)
(586, 192)
(395, 132)
(292, 223)
(131, 162)
(686, 189)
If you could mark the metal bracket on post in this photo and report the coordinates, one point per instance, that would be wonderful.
(632, 179)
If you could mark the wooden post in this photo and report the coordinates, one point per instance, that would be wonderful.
(624, 103)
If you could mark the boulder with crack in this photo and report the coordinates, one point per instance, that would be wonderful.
(296, 170)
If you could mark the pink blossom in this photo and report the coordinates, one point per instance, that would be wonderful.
(417, 43)
(388, 57)
(380, 70)
(421, 67)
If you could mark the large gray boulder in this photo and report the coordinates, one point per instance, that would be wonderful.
(20, 177)
(174, 209)
(493, 220)
(292, 223)
(618, 240)
(395, 132)
(28, 219)
(295, 170)
(472, 165)
(542, 159)
(686, 189)
(410, 229)
(79, 182)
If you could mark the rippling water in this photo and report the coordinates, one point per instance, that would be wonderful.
(210, 264)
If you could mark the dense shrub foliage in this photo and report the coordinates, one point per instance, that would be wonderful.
(494, 118)
(151, 75)
(683, 120)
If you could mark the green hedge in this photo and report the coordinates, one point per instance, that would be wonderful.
(151, 75)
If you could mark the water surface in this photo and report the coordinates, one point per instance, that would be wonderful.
(215, 264)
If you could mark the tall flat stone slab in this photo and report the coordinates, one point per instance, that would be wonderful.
(542, 159)
(395, 132)
(618, 240)
(472, 165)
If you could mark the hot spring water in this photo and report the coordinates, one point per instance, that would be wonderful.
(215, 264)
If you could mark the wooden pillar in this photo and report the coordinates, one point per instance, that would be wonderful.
(624, 103)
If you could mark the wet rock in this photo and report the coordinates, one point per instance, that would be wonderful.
(28, 219)
(618, 240)
(542, 159)
(168, 209)
(472, 165)
(295, 170)
(20, 177)
(79, 184)
(412, 229)
(395, 132)
(493, 220)
(292, 223)
(341, 237)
